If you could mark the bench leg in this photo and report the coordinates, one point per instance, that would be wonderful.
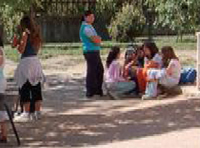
(12, 123)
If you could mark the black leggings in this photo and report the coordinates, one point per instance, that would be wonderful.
(32, 94)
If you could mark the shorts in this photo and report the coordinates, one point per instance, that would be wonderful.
(3, 116)
(3, 113)
(29, 92)
(2, 101)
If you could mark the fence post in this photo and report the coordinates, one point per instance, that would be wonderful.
(198, 60)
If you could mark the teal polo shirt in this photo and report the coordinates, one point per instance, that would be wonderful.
(87, 31)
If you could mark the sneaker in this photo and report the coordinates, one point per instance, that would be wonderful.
(147, 97)
(32, 116)
(16, 114)
(113, 95)
(37, 115)
(24, 117)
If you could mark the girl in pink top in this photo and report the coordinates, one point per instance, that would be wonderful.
(114, 74)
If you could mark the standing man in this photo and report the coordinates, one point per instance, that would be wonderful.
(91, 51)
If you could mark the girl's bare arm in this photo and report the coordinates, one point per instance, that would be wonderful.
(22, 44)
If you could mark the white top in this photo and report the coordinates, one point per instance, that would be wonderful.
(3, 82)
(169, 76)
(157, 58)
(175, 69)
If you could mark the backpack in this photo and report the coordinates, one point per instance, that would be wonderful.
(188, 75)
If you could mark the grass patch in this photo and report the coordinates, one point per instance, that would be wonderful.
(55, 49)
(11, 53)
(189, 63)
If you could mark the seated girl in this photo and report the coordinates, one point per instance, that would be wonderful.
(130, 62)
(167, 77)
(152, 60)
(140, 57)
(114, 79)
(133, 61)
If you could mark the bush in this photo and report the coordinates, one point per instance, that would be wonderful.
(127, 23)
(9, 19)
(105, 9)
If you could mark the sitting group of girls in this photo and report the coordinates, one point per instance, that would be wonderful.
(144, 69)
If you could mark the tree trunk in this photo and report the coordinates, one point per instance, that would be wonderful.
(32, 11)
(179, 36)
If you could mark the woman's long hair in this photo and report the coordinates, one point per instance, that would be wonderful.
(168, 54)
(112, 55)
(35, 35)
(152, 47)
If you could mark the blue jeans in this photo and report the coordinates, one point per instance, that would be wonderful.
(161, 78)
(151, 89)
(122, 87)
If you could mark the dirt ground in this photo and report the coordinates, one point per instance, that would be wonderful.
(70, 120)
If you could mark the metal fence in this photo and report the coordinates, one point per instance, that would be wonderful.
(60, 19)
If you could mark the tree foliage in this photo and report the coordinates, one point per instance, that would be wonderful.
(106, 8)
(20, 5)
(9, 20)
(11, 11)
(179, 15)
(127, 23)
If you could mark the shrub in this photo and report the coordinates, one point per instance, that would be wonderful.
(9, 20)
(105, 9)
(127, 23)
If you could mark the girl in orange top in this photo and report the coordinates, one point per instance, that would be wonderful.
(152, 60)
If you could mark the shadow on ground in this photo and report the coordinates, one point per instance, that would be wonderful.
(76, 123)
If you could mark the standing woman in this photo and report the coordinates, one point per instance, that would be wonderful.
(29, 75)
(91, 51)
(3, 114)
